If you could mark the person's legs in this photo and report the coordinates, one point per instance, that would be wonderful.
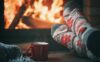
(78, 23)
(62, 35)
(77, 26)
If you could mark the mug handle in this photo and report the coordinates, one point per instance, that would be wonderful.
(29, 51)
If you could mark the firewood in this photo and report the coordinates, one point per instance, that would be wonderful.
(36, 22)
(28, 21)
(17, 17)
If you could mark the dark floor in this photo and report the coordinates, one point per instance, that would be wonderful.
(65, 57)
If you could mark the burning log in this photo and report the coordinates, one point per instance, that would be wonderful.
(28, 21)
(35, 22)
(20, 13)
(17, 17)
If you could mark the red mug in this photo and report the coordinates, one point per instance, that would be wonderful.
(39, 51)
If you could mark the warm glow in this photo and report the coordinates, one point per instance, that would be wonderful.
(10, 10)
(40, 15)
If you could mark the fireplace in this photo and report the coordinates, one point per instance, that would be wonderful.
(21, 21)
(26, 17)
(29, 19)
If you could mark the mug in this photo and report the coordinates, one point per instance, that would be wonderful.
(39, 51)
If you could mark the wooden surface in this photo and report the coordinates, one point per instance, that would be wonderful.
(64, 57)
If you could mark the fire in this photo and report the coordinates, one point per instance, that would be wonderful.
(10, 10)
(40, 12)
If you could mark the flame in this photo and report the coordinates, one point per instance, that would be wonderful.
(39, 13)
(52, 15)
(10, 10)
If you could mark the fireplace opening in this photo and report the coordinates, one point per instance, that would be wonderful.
(30, 14)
